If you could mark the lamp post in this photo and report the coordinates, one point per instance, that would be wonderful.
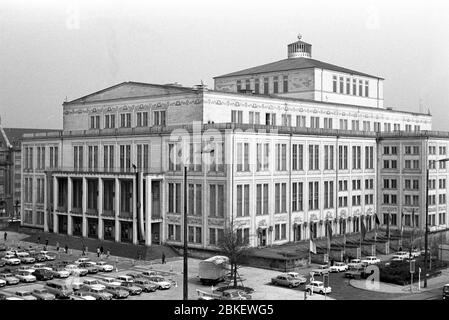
(426, 231)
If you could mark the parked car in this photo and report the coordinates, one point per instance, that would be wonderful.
(320, 270)
(81, 260)
(60, 272)
(25, 295)
(2, 283)
(371, 260)
(43, 294)
(446, 292)
(13, 298)
(145, 284)
(11, 261)
(131, 288)
(355, 273)
(108, 280)
(59, 288)
(81, 295)
(117, 292)
(298, 276)
(27, 260)
(49, 257)
(161, 282)
(318, 286)
(104, 267)
(338, 267)
(98, 293)
(91, 268)
(39, 257)
(415, 253)
(42, 266)
(2, 263)
(125, 278)
(285, 280)
(75, 270)
(21, 254)
(9, 278)
(43, 274)
(135, 275)
(149, 274)
(93, 283)
(355, 264)
(402, 255)
(25, 276)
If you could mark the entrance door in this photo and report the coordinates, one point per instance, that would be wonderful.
(263, 237)
(298, 233)
(156, 233)
(62, 224)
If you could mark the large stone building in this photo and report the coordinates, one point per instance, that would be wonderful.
(278, 150)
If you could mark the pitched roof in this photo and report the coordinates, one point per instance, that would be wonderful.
(130, 89)
(14, 135)
(294, 64)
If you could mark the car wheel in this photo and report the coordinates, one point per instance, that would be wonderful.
(290, 285)
(321, 292)
(309, 291)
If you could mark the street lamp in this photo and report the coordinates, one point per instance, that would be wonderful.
(426, 233)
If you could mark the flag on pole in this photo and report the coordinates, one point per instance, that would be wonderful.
(312, 247)
(329, 230)
(363, 229)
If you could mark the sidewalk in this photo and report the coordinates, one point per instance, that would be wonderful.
(432, 283)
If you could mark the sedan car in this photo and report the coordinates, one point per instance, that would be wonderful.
(145, 284)
(285, 280)
(41, 266)
(131, 288)
(371, 260)
(81, 295)
(98, 294)
(25, 276)
(317, 286)
(322, 269)
(104, 267)
(89, 283)
(2, 283)
(43, 274)
(117, 292)
(160, 282)
(43, 294)
(59, 272)
(355, 273)
(49, 257)
(355, 263)
(39, 257)
(9, 278)
(107, 280)
(27, 260)
(91, 268)
(338, 267)
(25, 295)
(298, 276)
(75, 270)
(11, 261)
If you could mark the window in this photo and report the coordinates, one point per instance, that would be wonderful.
(125, 120)
(159, 118)
(366, 126)
(354, 87)
(342, 90)
(142, 119)
(281, 157)
(174, 232)
(262, 156)
(314, 122)
(342, 202)
(125, 157)
(93, 157)
(239, 85)
(314, 157)
(194, 199)
(256, 86)
(297, 157)
(215, 236)
(334, 82)
(328, 157)
(242, 200)
(442, 151)
(108, 155)
(53, 157)
(387, 127)
(270, 119)
(280, 231)
(328, 194)
(243, 235)
(356, 157)
(40, 158)
(251, 117)
(286, 120)
(265, 85)
(109, 121)
(174, 197)
(396, 127)
(442, 183)
(369, 157)
(275, 85)
(40, 190)
(95, 122)
(78, 157)
(236, 116)
(360, 88)
(356, 184)
(285, 84)
(376, 126)
(242, 156)
(174, 162)
(342, 157)
(366, 88)
(280, 196)
(327, 123)
(417, 128)
(343, 185)
(297, 196)
(355, 125)
(348, 86)
(369, 184)
(408, 127)
(247, 84)
(216, 200)
(262, 199)
(143, 155)
(343, 124)
(301, 121)
(356, 200)
(313, 196)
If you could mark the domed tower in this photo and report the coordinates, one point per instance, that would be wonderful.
(299, 49)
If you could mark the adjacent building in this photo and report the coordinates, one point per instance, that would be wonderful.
(277, 150)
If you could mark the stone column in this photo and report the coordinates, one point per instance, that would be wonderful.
(134, 208)
(117, 210)
(69, 206)
(100, 208)
(84, 207)
(148, 213)
(55, 204)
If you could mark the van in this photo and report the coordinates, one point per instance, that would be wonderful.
(59, 288)
(213, 270)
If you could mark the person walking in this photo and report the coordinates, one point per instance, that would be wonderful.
(57, 246)
(98, 252)
(108, 253)
(66, 249)
(163, 258)
(39, 239)
(101, 250)
(5, 236)
(46, 242)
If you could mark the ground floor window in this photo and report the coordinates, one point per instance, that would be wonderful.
(62, 224)
(215, 236)
(243, 235)
(126, 231)
(77, 226)
(280, 231)
(28, 218)
(108, 229)
(442, 218)
(194, 234)
(297, 232)
(40, 218)
(174, 232)
(92, 226)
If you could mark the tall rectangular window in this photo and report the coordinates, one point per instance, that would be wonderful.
(95, 122)
(285, 84)
(313, 196)
(262, 156)
(265, 85)
(342, 157)
(93, 157)
(242, 200)
(348, 86)
(109, 121)
(142, 119)
(354, 87)
(328, 157)
(369, 157)
(356, 157)
(78, 157)
(301, 121)
(328, 194)
(280, 192)
(342, 90)
(297, 196)
(275, 85)
(366, 88)
(281, 156)
(334, 84)
(314, 157)
(125, 157)
(256, 86)
(108, 157)
(297, 157)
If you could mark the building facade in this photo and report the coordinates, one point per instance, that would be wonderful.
(277, 162)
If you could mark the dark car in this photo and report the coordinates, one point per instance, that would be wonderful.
(91, 268)
(356, 273)
(39, 257)
(43, 274)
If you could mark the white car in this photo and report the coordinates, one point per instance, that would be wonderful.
(109, 281)
(11, 261)
(25, 276)
(41, 266)
(160, 282)
(22, 254)
(81, 295)
(402, 254)
(355, 264)
(10, 254)
(317, 286)
(322, 269)
(93, 283)
(82, 260)
(75, 270)
(371, 260)
(297, 276)
(125, 279)
(338, 267)
(103, 266)
(2, 283)
(61, 273)
(25, 295)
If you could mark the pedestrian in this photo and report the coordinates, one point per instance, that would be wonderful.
(108, 253)
(66, 249)
(45, 248)
(101, 250)
(5, 236)
(39, 239)
(57, 246)
(163, 258)
(46, 243)
(98, 252)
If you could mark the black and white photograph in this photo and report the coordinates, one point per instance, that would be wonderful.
(266, 151)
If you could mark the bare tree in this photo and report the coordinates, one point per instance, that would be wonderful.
(234, 247)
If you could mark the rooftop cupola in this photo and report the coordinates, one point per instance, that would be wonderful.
(299, 49)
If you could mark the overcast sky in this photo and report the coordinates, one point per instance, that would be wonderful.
(53, 50)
